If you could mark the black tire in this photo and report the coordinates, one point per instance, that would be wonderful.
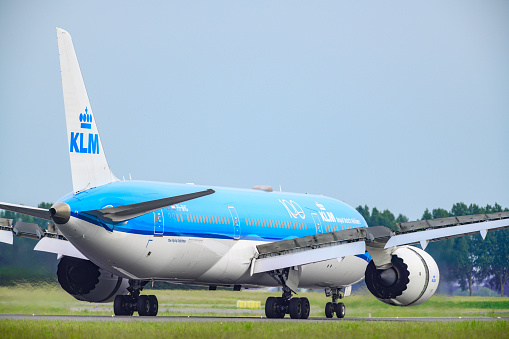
(306, 308)
(280, 309)
(118, 305)
(329, 310)
(340, 310)
(271, 309)
(143, 305)
(295, 308)
(154, 305)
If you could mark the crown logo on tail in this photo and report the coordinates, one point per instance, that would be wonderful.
(86, 119)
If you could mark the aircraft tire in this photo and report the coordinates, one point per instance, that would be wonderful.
(280, 311)
(120, 306)
(340, 310)
(329, 310)
(305, 308)
(295, 308)
(154, 305)
(143, 305)
(271, 308)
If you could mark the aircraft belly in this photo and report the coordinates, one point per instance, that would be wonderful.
(194, 260)
(332, 273)
(143, 256)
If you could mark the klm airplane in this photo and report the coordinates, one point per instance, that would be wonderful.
(113, 237)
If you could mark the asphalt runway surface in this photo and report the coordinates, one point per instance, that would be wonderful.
(236, 319)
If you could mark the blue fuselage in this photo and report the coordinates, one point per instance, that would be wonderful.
(240, 214)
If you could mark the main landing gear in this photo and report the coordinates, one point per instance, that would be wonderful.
(145, 305)
(334, 306)
(297, 308)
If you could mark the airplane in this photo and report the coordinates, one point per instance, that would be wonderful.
(113, 237)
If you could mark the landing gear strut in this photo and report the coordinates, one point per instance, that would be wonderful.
(145, 305)
(298, 308)
(334, 306)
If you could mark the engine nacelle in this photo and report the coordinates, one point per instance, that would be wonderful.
(412, 279)
(85, 281)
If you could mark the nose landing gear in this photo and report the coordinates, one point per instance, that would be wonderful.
(145, 305)
(334, 306)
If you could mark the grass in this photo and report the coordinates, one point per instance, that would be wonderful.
(51, 299)
(345, 329)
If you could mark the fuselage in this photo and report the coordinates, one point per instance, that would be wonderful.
(210, 240)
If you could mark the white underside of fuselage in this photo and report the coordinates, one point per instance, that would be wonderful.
(192, 260)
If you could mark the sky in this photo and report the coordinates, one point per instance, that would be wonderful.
(392, 104)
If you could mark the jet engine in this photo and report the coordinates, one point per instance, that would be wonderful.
(85, 281)
(412, 279)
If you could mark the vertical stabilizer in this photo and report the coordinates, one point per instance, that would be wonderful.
(88, 162)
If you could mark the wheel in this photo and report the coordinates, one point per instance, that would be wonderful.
(154, 305)
(306, 308)
(121, 305)
(295, 308)
(118, 305)
(340, 310)
(280, 307)
(143, 305)
(329, 310)
(271, 308)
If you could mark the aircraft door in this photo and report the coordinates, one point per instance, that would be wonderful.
(318, 223)
(158, 222)
(236, 222)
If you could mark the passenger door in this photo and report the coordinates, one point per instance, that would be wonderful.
(318, 223)
(236, 222)
(158, 222)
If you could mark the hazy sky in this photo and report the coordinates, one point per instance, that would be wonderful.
(394, 104)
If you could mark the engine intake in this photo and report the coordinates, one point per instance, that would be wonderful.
(412, 279)
(86, 281)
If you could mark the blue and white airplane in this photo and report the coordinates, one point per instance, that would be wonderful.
(112, 237)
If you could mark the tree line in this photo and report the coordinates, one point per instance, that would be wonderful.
(464, 260)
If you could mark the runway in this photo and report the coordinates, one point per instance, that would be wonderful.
(236, 319)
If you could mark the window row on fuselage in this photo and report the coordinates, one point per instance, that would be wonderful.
(332, 228)
(265, 223)
(276, 224)
(204, 219)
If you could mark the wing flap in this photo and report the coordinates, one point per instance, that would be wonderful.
(49, 241)
(297, 258)
(59, 247)
(446, 232)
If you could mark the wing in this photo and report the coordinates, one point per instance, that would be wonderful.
(49, 240)
(326, 246)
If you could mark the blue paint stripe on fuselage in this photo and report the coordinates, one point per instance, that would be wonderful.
(262, 216)
(364, 256)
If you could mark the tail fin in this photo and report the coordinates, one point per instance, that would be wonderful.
(88, 162)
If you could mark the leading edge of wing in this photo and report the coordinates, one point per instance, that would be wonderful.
(304, 257)
(127, 212)
(32, 211)
(316, 248)
(424, 236)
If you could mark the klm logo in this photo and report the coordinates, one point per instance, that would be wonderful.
(81, 142)
(80, 145)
